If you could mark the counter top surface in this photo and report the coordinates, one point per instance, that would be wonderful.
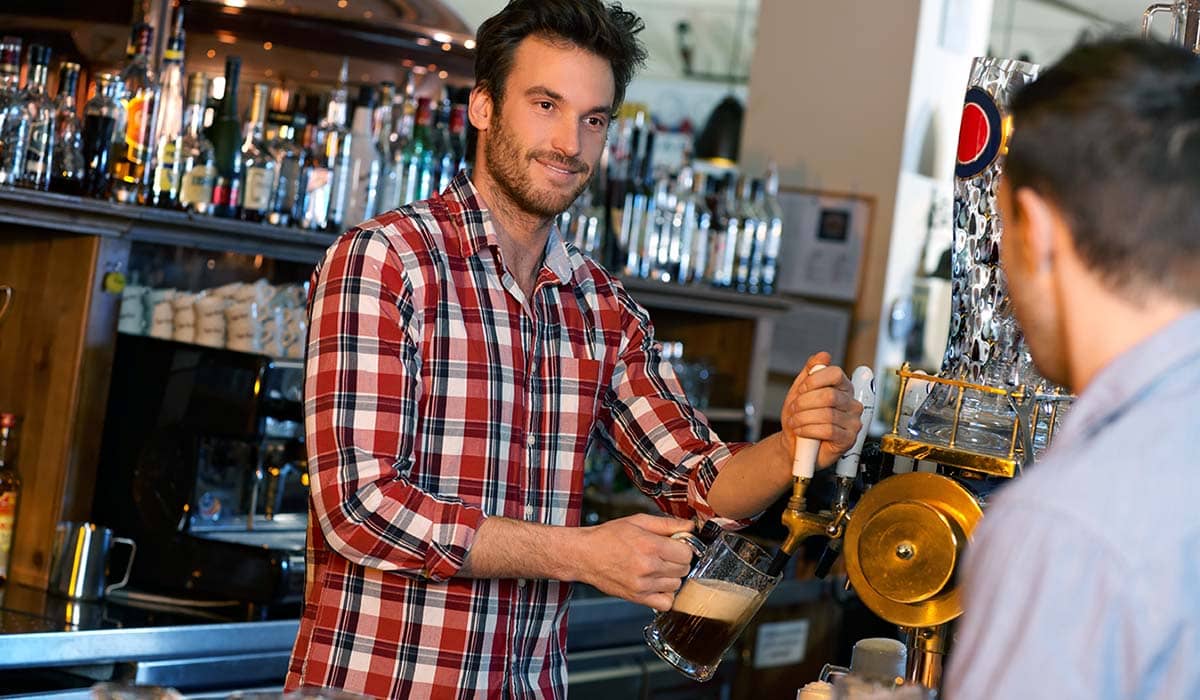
(39, 629)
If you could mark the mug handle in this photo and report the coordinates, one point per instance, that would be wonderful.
(128, 566)
(692, 541)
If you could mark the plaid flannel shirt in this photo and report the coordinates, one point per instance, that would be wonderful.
(438, 395)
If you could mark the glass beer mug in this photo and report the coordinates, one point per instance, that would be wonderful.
(720, 595)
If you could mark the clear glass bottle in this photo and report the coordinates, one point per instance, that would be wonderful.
(67, 166)
(164, 190)
(695, 222)
(361, 195)
(133, 162)
(384, 180)
(723, 255)
(746, 235)
(257, 162)
(10, 92)
(197, 163)
(773, 216)
(29, 131)
(418, 157)
(404, 122)
(444, 157)
(103, 116)
(337, 142)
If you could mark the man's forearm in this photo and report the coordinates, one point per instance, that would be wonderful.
(506, 548)
(752, 479)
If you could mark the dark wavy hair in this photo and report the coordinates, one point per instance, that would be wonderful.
(608, 31)
(1111, 135)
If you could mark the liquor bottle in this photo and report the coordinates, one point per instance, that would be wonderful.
(444, 157)
(638, 204)
(164, 189)
(29, 130)
(725, 237)
(132, 164)
(404, 115)
(289, 157)
(773, 216)
(361, 194)
(384, 180)
(197, 162)
(67, 166)
(337, 145)
(227, 146)
(103, 116)
(418, 157)
(696, 227)
(10, 491)
(10, 92)
(623, 167)
(458, 138)
(747, 230)
(257, 162)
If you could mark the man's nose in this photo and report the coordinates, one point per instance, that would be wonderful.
(565, 138)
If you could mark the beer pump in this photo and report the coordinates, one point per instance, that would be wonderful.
(799, 522)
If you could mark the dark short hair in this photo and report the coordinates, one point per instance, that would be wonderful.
(605, 30)
(1111, 135)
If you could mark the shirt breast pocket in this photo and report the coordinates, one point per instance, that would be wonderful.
(582, 385)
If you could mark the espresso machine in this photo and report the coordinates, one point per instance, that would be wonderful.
(202, 463)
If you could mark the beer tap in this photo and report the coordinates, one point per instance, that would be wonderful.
(799, 522)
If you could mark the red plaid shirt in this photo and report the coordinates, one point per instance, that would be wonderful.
(438, 395)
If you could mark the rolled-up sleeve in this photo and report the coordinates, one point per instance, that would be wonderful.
(665, 445)
(362, 391)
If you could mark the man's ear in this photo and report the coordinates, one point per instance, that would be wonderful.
(480, 107)
(1039, 223)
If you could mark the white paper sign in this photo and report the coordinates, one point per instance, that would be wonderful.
(780, 643)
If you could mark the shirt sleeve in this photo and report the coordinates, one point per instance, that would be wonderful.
(1051, 611)
(361, 395)
(665, 445)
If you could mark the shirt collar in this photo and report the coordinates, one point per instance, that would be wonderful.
(474, 229)
(1130, 376)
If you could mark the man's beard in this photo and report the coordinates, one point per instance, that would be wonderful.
(509, 168)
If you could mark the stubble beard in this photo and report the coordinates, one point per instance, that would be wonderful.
(509, 168)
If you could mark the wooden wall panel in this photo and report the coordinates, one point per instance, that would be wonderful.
(55, 322)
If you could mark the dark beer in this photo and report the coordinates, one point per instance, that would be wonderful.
(706, 617)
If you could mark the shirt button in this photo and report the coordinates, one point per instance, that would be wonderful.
(528, 512)
(521, 583)
(530, 439)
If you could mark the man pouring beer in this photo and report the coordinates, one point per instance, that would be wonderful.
(462, 357)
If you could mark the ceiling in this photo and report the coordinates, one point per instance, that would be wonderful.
(1044, 29)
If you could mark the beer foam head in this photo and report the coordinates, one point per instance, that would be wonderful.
(716, 600)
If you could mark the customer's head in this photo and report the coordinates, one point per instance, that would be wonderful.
(550, 75)
(1106, 150)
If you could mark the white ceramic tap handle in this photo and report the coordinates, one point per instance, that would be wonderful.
(864, 392)
(804, 462)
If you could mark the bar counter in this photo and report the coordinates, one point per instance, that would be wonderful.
(52, 647)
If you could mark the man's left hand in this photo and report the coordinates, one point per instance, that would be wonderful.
(822, 406)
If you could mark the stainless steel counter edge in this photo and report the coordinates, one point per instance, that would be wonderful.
(589, 616)
(46, 649)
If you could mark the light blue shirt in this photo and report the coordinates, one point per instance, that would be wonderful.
(1083, 580)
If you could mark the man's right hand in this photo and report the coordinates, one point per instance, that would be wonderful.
(635, 558)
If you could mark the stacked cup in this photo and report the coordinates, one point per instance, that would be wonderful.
(162, 313)
(132, 319)
(210, 319)
(184, 305)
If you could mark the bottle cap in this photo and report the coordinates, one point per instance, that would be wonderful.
(8, 420)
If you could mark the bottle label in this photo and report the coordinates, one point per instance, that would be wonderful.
(259, 183)
(8, 511)
(138, 119)
(197, 184)
(166, 176)
(227, 192)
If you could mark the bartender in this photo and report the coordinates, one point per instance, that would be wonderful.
(462, 357)
(1081, 581)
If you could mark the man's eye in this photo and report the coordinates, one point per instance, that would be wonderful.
(546, 105)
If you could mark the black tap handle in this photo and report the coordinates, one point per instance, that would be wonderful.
(833, 549)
